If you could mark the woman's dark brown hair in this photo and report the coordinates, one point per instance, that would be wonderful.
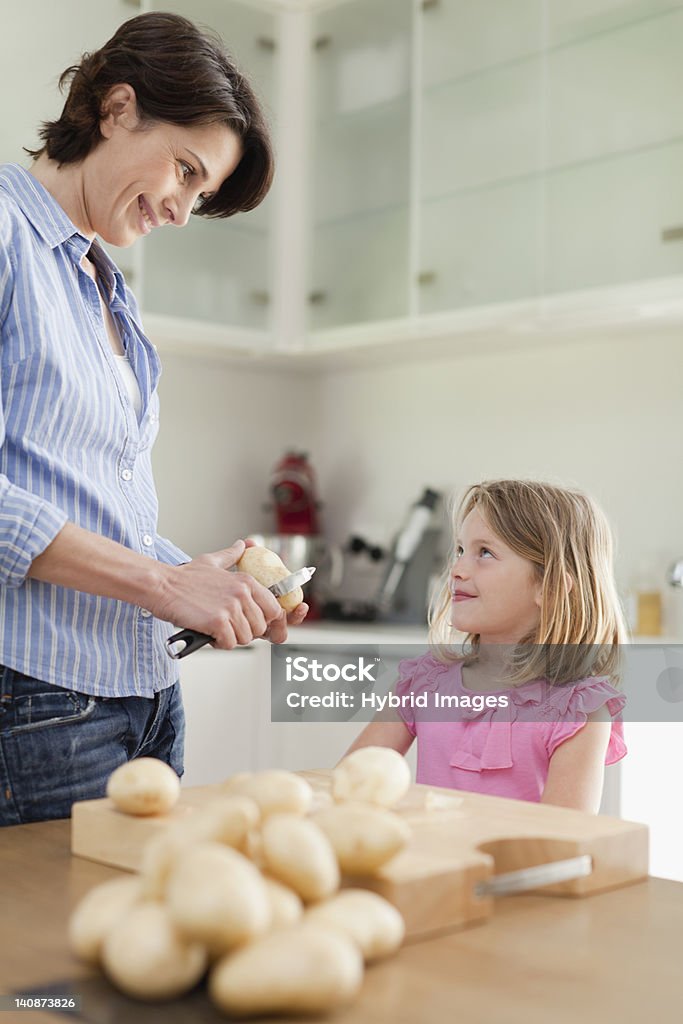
(181, 75)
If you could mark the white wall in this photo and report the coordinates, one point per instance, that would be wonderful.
(222, 429)
(605, 416)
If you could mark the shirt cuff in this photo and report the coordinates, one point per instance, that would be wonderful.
(169, 553)
(28, 524)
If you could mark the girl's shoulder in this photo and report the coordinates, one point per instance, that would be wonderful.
(577, 700)
(569, 708)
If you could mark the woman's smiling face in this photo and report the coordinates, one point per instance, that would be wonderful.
(142, 176)
(495, 592)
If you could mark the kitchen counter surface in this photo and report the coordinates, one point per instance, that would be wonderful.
(311, 633)
(609, 958)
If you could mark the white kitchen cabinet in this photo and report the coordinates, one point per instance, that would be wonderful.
(360, 108)
(226, 695)
(220, 271)
(545, 151)
(227, 699)
(445, 169)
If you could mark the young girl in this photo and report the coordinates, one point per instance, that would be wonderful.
(531, 585)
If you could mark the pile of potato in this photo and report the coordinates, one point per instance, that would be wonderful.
(247, 888)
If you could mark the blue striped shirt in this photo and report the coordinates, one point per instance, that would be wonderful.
(72, 449)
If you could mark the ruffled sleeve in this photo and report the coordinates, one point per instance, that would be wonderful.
(580, 701)
(415, 675)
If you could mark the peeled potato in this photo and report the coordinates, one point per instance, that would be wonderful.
(376, 775)
(297, 853)
(217, 897)
(145, 956)
(98, 912)
(267, 568)
(226, 820)
(369, 920)
(273, 791)
(363, 836)
(145, 786)
(309, 969)
(285, 906)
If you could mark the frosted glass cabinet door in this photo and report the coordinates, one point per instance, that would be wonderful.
(360, 110)
(481, 153)
(219, 271)
(614, 143)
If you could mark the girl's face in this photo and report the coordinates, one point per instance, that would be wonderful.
(495, 592)
(137, 180)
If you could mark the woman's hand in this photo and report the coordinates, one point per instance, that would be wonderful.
(230, 606)
(277, 631)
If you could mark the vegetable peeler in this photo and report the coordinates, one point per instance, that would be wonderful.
(193, 640)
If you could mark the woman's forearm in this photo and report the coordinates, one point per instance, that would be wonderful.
(82, 560)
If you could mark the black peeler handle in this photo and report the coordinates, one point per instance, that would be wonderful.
(192, 640)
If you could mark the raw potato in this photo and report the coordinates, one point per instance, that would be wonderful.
(363, 837)
(376, 775)
(98, 912)
(285, 906)
(217, 897)
(145, 956)
(145, 786)
(369, 920)
(306, 969)
(267, 568)
(226, 820)
(297, 853)
(274, 791)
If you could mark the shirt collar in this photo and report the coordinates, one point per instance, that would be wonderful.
(52, 224)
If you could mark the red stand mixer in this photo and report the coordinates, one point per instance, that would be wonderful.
(298, 541)
(293, 487)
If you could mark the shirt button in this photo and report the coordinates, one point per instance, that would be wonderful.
(147, 540)
(126, 474)
(145, 614)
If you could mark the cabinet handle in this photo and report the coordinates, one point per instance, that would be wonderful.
(674, 234)
(266, 43)
(133, 3)
(322, 42)
(259, 298)
(429, 5)
(426, 277)
(317, 298)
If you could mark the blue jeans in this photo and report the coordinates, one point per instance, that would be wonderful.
(58, 746)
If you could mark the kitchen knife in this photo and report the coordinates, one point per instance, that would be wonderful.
(535, 877)
(193, 640)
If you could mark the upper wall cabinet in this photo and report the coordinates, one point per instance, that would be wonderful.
(219, 271)
(536, 164)
(360, 109)
(443, 167)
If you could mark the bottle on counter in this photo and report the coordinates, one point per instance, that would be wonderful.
(644, 605)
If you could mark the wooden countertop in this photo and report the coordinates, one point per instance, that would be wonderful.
(607, 958)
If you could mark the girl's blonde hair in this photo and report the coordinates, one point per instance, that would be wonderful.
(567, 539)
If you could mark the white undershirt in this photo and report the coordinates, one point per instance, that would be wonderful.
(130, 381)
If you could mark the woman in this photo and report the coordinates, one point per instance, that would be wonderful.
(157, 124)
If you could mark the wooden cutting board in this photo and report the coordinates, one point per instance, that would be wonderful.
(455, 846)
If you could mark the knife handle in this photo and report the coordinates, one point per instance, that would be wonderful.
(192, 640)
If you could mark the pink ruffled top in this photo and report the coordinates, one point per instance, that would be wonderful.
(500, 751)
